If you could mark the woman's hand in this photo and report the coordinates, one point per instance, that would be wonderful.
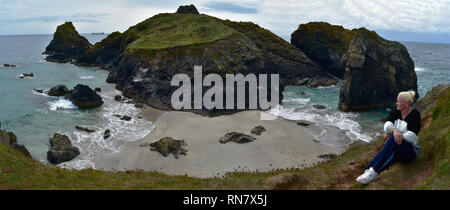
(398, 137)
(386, 136)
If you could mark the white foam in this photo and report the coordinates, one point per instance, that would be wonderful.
(61, 104)
(93, 145)
(86, 77)
(419, 69)
(342, 120)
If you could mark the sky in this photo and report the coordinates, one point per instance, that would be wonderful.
(400, 20)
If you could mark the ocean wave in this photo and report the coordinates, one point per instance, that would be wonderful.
(61, 104)
(93, 145)
(86, 77)
(419, 69)
(331, 127)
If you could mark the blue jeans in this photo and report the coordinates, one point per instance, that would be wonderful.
(392, 152)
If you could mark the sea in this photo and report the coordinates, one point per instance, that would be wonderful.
(34, 117)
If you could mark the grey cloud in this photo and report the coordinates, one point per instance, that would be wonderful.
(229, 7)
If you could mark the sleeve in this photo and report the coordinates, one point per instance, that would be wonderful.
(410, 137)
(388, 127)
(389, 124)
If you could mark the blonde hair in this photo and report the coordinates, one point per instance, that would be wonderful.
(407, 96)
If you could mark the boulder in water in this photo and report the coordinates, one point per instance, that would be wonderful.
(84, 97)
(58, 90)
(84, 129)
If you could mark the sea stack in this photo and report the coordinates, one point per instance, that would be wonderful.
(376, 71)
(66, 45)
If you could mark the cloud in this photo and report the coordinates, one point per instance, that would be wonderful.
(229, 7)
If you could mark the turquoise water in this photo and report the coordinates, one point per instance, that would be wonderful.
(34, 117)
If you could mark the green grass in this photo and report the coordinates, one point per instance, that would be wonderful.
(172, 30)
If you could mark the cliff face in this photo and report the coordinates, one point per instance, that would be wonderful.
(66, 45)
(324, 43)
(144, 58)
(376, 71)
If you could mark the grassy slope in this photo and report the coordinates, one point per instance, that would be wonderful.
(172, 30)
(429, 171)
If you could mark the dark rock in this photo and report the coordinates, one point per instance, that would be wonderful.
(58, 90)
(97, 89)
(139, 105)
(10, 139)
(376, 71)
(26, 75)
(324, 43)
(13, 66)
(319, 106)
(236, 137)
(258, 130)
(6, 65)
(84, 97)
(66, 44)
(61, 149)
(126, 118)
(84, 129)
(187, 9)
(107, 134)
(328, 156)
(168, 145)
(304, 123)
(38, 90)
(118, 97)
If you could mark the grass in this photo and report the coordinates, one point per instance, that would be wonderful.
(429, 171)
(172, 30)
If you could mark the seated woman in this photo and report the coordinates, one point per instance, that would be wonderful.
(401, 130)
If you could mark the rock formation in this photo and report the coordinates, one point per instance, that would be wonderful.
(143, 59)
(236, 137)
(10, 139)
(66, 45)
(168, 145)
(324, 43)
(187, 9)
(84, 97)
(376, 71)
(58, 90)
(61, 149)
(258, 130)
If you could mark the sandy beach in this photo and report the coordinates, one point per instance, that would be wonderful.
(283, 145)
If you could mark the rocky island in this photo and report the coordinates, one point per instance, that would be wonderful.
(143, 59)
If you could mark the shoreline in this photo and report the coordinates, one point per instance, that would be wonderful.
(283, 145)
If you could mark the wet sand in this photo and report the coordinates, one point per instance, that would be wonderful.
(283, 145)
